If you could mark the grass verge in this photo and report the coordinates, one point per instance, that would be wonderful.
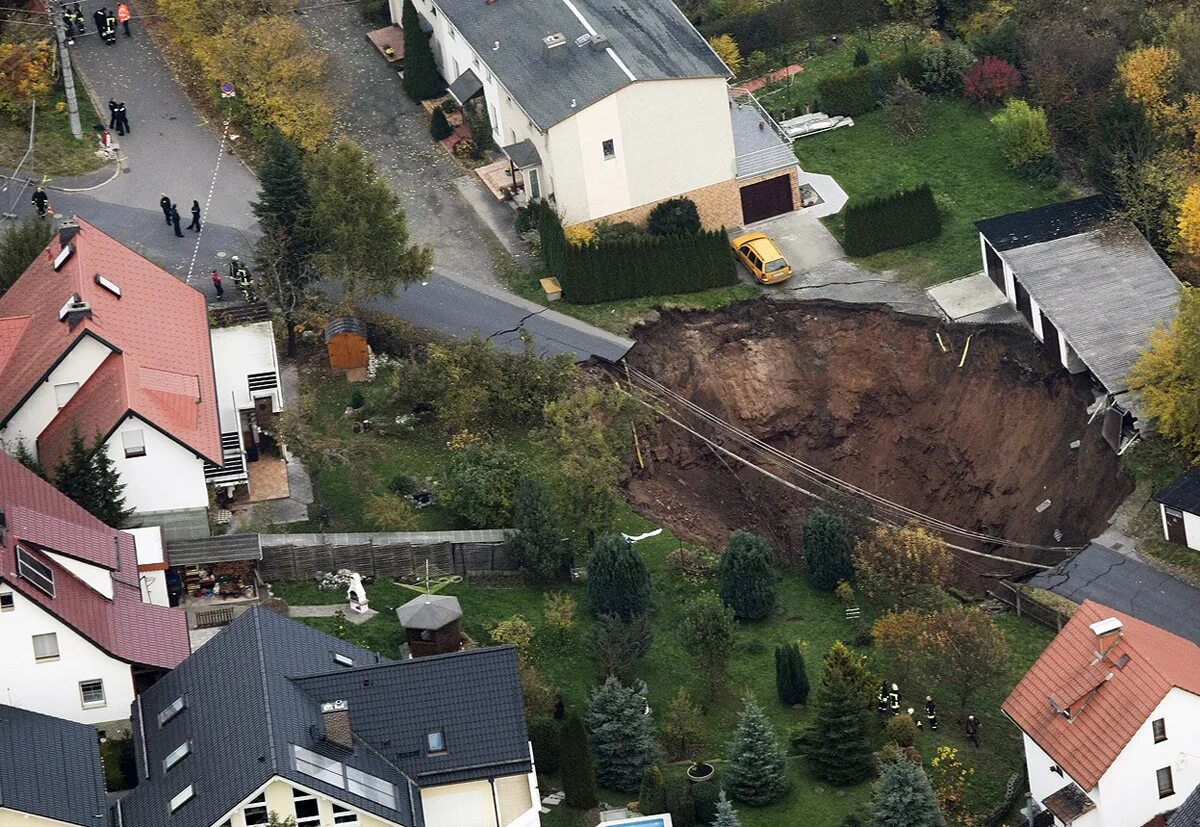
(56, 152)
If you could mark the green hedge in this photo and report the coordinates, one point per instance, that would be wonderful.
(859, 90)
(780, 24)
(896, 220)
(651, 266)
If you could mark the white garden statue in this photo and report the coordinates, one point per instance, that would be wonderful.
(356, 593)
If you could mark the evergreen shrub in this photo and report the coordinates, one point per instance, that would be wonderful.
(895, 220)
(861, 89)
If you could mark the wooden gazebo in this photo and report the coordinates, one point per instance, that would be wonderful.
(432, 623)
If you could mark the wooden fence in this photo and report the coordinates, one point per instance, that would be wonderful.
(302, 557)
(1025, 606)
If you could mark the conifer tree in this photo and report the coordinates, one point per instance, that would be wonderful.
(791, 679)
(537, 541)
(621, 735)
(284, 191)
(757, 773)
(747, 576)
(22, 455)
(827, 553)
(578, 775)
(838, 743)
(421, 78)
(282, 251)
(726, 816)
(618, 580)
(903, 797)
(439, 127)
(87, 475)
(652, 798)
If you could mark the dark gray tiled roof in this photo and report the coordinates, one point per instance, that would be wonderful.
(1183, 493)
(429, 611)
(219, 549)
(473, 697)
(1067, 218)
(256, 690)
(1187, 815)
(242, 715)
(51, 768)
(652, 38)
(1105, 290)
(523, 154)
(465, 86)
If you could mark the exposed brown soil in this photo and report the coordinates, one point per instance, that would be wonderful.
(869, 395)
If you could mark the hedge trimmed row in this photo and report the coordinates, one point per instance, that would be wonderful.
(859, 90)
(896, 220)
(784, 22)
(655, 266)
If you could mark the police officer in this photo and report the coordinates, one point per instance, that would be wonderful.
(164, 204)
(41, 201)
(931, 713)
(112, 113)
(98, 17)
(122, 119)
(175, 221)
(882, 708)
(971, 727)
(894, 700)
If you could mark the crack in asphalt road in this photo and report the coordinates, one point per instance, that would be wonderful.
(839, 284)
(520, 324)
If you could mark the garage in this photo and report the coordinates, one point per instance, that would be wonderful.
(767, 199)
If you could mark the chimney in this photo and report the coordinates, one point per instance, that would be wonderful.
(599, 42)
(1108, 635)
(74, 311)
(336, 717)
(67, 231)
(554, 46)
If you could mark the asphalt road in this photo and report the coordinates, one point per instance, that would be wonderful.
(461, 307)
(1108, 577)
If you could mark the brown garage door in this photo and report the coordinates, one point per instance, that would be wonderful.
(767, 198)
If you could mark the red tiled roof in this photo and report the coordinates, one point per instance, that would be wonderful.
(39, 516)
(1108, 710)
(162, 361)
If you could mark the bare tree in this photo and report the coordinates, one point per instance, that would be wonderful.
(282, 278)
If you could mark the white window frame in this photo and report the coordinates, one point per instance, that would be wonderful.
(52, 636)
(176, 755)
(83, 694)
(342, 660)
(182, 797)
(344, 817)
(256, 808)
(171, 710)
(7, 602)
(63, 393)
(134, 443)
(299, 796)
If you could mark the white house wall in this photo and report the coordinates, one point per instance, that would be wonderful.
(98, 578)
(150, 553)
(1191, 526)
(52, 687)
(239, 352)
(42, 406)
(168, 478)
(1129, 789)
(1043, 781)
(471, 804)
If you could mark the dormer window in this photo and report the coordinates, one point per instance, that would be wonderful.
(435, 741)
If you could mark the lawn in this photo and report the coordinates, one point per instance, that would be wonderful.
(814, 619)
(959, 156)
(56, 152)
(349, 467)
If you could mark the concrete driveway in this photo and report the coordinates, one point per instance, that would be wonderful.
(820, 269)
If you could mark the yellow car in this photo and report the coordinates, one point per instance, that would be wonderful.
(762, 258)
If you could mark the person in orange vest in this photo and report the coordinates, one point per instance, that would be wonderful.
(124, 16)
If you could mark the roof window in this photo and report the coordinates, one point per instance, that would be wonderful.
(435, 741)
(174, 708)
(63, 255)
(108, 285)
(35, 571)
(176, 755)
(182, 797)
(342, 660)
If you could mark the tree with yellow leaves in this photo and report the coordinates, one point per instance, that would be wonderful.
(902, 566)
(1189, 221)
(1148, 78)
(727, 49)
(27, 75)
(1167, 375)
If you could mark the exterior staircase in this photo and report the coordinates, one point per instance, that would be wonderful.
(234, 459)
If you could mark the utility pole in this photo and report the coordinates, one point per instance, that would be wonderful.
(68, 75)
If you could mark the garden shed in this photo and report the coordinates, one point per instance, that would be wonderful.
(346, 342)
(1179, 508)
(433, 623)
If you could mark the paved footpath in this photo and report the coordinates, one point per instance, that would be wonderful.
(170, 149)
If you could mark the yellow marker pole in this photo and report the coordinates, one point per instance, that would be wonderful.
(637, 445)
(941, 343)
(966, 347)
